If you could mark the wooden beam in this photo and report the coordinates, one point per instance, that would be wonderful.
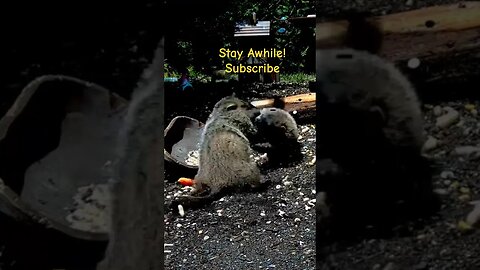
(429, 32)
(299, 103)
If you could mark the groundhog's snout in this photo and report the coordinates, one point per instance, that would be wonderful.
(258, 116)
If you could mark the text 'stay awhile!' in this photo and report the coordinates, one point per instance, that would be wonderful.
(238, 55)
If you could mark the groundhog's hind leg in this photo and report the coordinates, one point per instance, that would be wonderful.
(254, 180)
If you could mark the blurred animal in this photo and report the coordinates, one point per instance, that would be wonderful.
(369, 139)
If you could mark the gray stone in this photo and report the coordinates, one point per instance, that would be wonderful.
(451, 117)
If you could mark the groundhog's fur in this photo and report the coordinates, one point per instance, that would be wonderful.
(225, 155)
(370, 128)
(280, 130)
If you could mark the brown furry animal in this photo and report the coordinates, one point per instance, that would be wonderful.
(280, 130)
(370, 129)
(225, 154)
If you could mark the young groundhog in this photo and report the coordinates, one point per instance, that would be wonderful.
(370, 126)
(280, 130)
(225, 155)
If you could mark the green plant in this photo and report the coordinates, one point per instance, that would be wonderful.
(297, 77)
(169, 71)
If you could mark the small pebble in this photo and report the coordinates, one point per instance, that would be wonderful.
(464, 197)
(180, 210)
(455, 185)
(451, 117)
(440, 191)
(413, 62)
(444, 252)
(421, 236)
(447, 175)
(390, 266)
(309, 251)
(206, 237)
(437, 111)
(430, 144)
(466, 150)
(463, 226)
(313, 161)
(473, 217)
(421, 266)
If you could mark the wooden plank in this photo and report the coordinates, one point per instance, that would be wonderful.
(299, 103)
(429, 32)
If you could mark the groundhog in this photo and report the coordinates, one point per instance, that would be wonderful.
(370, 127)
(225, 161)
(280, 130)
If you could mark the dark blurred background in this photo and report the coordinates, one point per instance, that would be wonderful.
(103, 42)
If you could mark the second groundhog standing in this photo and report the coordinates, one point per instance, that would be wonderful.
(280, 130)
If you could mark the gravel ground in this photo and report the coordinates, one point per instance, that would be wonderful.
(264, 230)
(441, 244)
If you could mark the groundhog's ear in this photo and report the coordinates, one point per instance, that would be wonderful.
(231, 106)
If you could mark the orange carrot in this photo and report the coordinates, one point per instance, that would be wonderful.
(186, 181)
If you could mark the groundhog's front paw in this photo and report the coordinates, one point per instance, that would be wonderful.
(261, 160)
